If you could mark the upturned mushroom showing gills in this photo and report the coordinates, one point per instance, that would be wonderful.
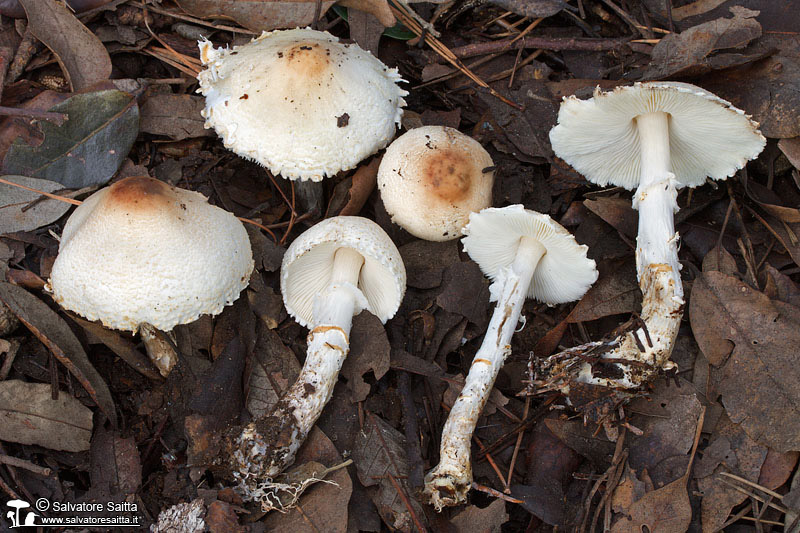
(330, 273)
(656, 138)
(526, 255)
(431, 178)
(300, 102)
(141, 255)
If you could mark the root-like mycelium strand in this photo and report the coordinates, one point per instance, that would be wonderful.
(268, 445)
(449, 483)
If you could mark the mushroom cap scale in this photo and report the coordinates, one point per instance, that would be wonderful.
(563, 274)
(708, 136)
(308, 263)
(431, 178)
(142, 251)
(300, 102)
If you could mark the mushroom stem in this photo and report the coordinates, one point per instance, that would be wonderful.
(160, 347)
(449, 482)
(268, 445)
(657, 267)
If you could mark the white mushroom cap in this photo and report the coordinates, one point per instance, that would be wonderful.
(142, 251)
(432, 178)
(307, 266)
(300, 102)
(708, 137)
(563, 274)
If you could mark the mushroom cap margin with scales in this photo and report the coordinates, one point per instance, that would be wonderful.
(300, 102)
(308, 263)
(709, 137)
(563, 274)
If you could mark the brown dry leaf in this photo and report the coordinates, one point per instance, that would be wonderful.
(361, 186)
(425, 261)
(54, 333)
(668, 419)
(121, 346)
(257, 15)
(769, 90)
(116, 469)
(791, 149)
(369, 351)
(323, 506)
(777, 468)
(22, 210)
(779, 286)
(732, 451)
(465, 291)
(584, 440)
(476, 520)
(719, 259)
(664, 510)
(771, 201)
(175, 115)
(221, 518)
(617, 212)
(380, 452)
(751, 343)
(378, 8)
(365, 30)
(83, 58)
(274, 369)
(687, 53)
(31, 416)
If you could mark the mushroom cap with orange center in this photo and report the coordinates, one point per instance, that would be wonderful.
(432, 178)
(300, 102)
(143, 251)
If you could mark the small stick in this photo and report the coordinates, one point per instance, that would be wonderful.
(495, 493)
(27, 465)
(56, 118)
(519, 441)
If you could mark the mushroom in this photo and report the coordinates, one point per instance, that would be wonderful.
(143, 256)
(655, 137)
(526, 255)
(300, 102)
(330, 273)
(431, 178)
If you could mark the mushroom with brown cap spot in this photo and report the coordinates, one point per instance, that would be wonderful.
(330, 273)
(655, 137)
(300, 102)
(526, 255)
(431, 178)
(141, 255)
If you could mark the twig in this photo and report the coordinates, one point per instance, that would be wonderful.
(754, 485)
(545, 43)
(495, 493)
(519, 441)
(27, 465)
(400, 11)
(56, 118)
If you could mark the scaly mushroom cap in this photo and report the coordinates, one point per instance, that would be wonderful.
(432, 178)
(142, 251)
(300, 102)
(708, 137)
(307, 266)
(564, 273)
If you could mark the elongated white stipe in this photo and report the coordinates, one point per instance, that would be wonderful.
(449, 482)
(268, 445)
